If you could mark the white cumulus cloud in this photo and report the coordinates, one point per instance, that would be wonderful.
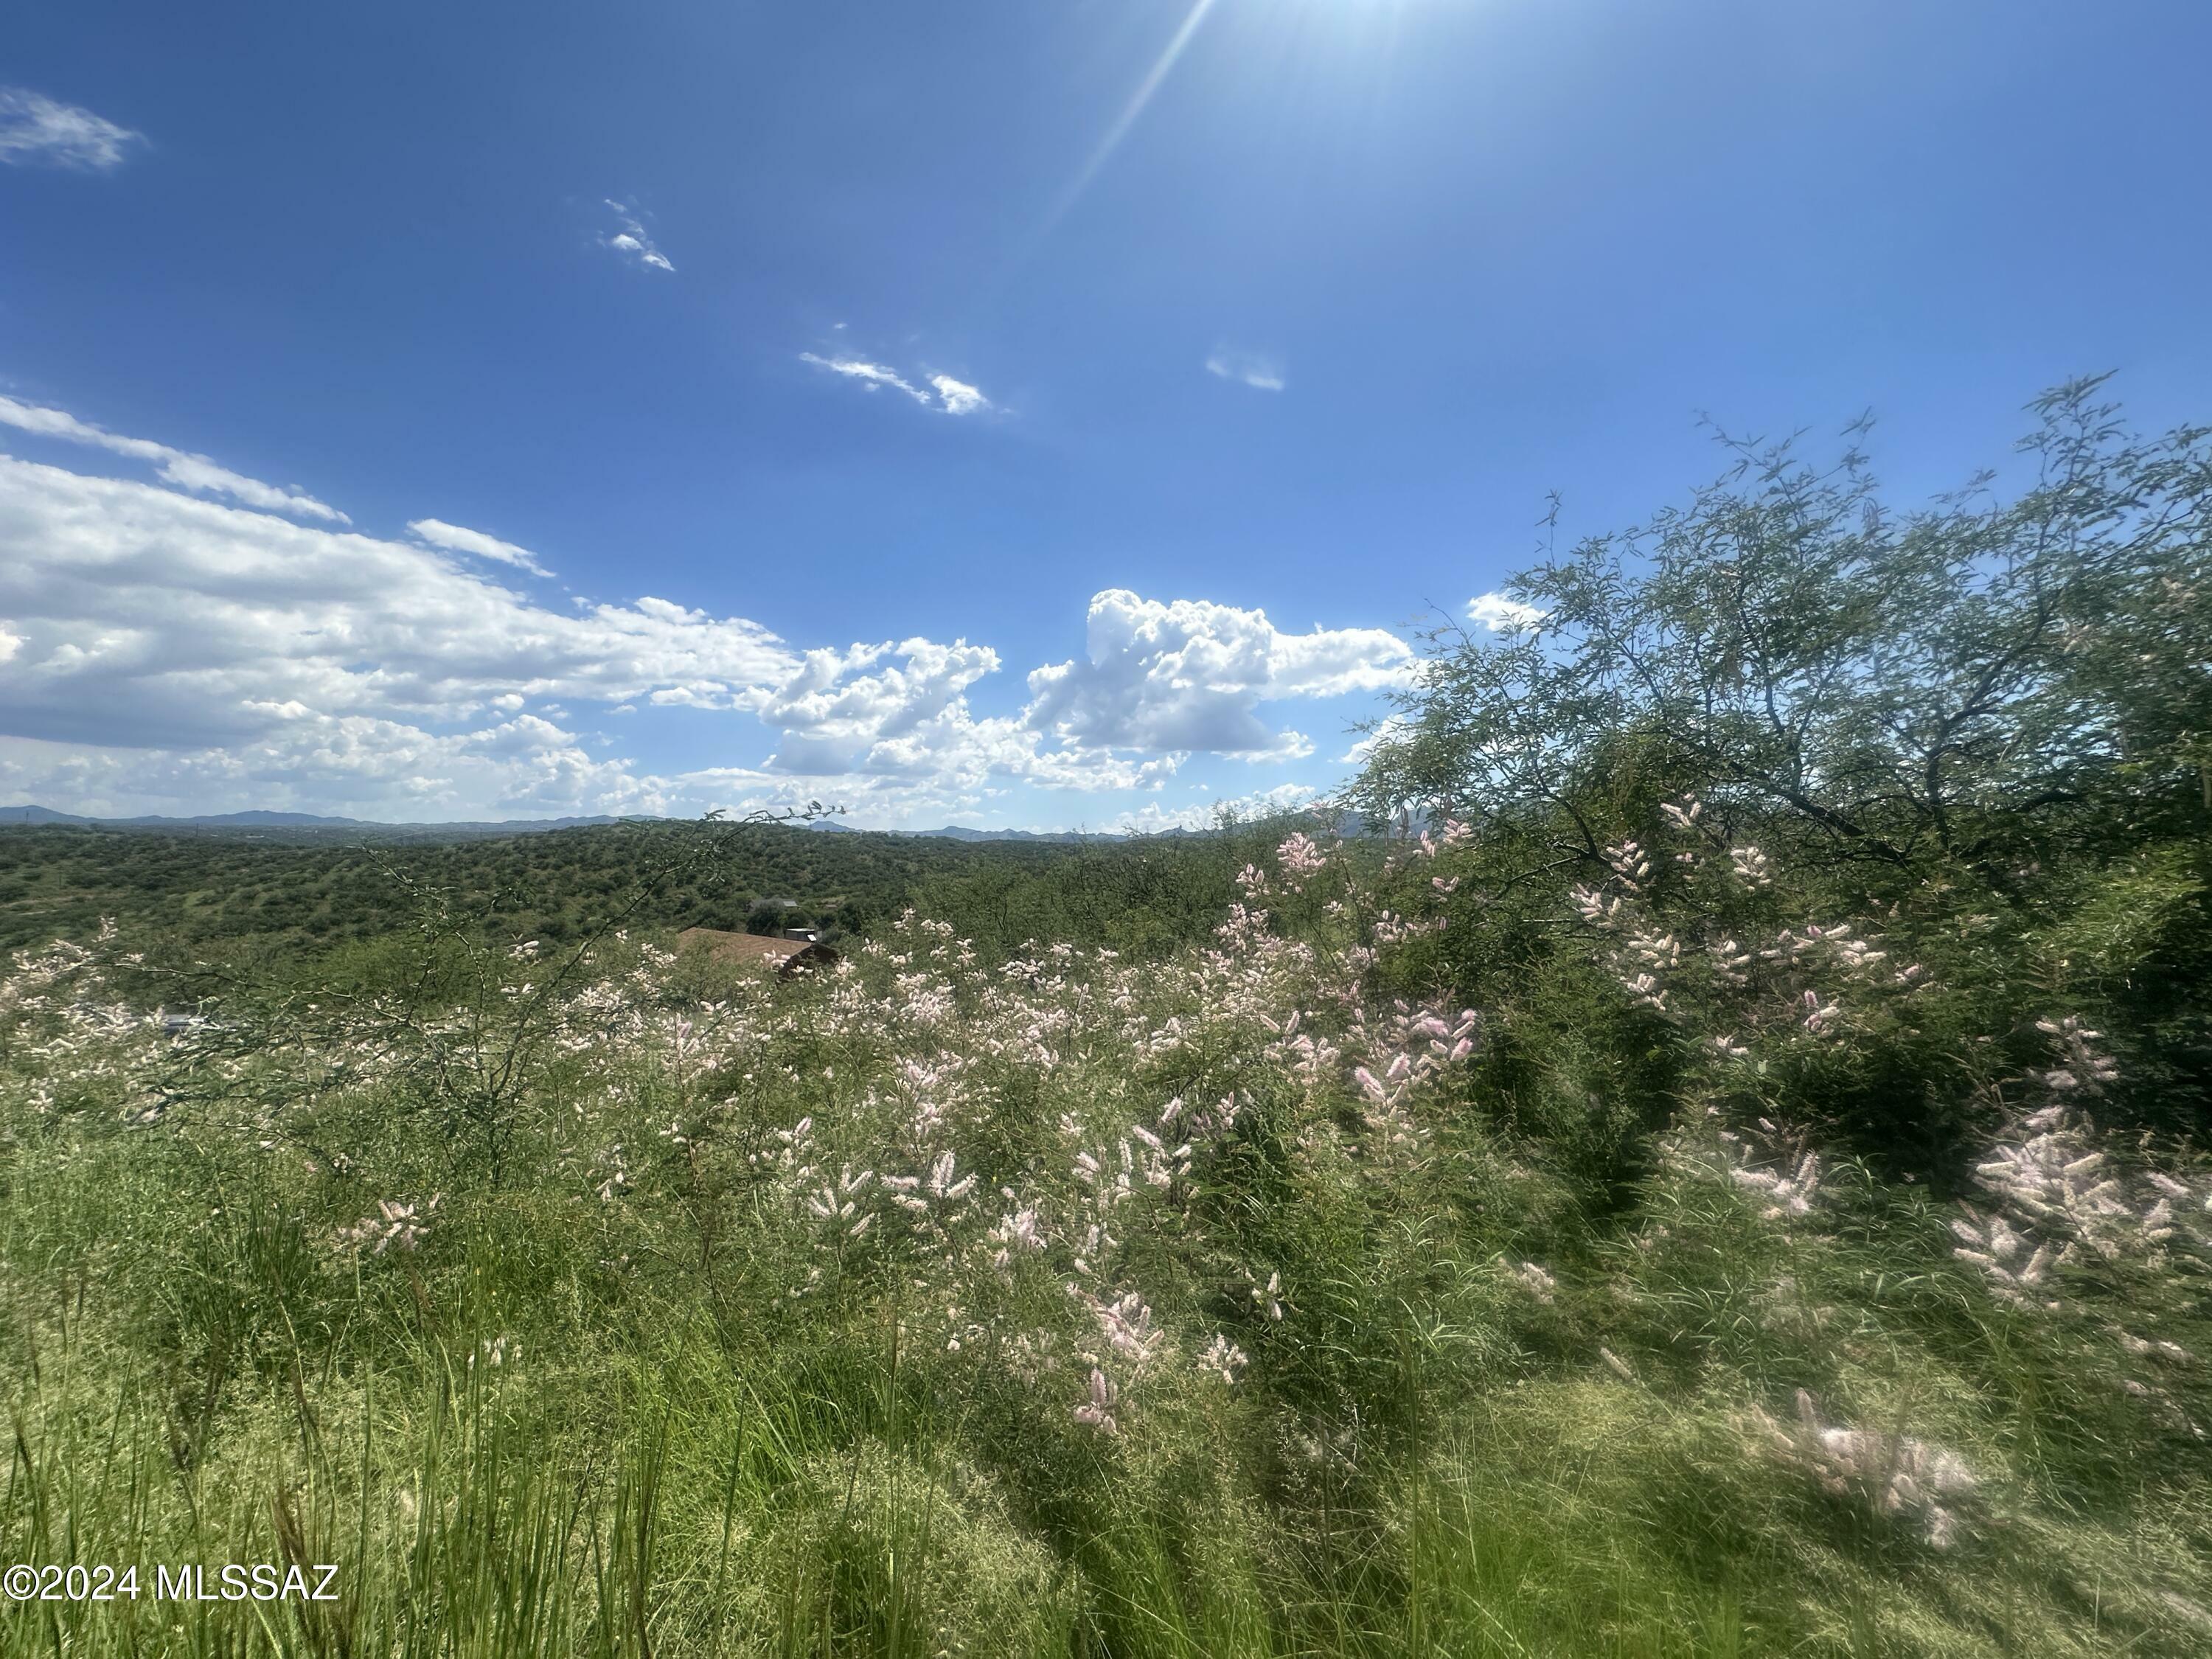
(958, 396)
(1388, 730)
(38, 130)
(151, 619)
(901, 712)
(1501, 614)
(302, 760)
(1189, 676)
(163, 652)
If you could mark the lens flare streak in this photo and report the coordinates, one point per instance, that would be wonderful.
(1130, 112)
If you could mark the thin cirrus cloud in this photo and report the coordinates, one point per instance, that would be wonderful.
(941, 392)
(36, 131)
(458, 538)
(874, 376)
(633, 241)
(176, 467)
(163, 651)
(1257, 369)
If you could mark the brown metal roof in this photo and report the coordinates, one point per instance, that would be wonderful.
(785, 956)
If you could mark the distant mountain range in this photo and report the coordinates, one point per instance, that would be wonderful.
(955, 832)
(257, 820)
(237, 823)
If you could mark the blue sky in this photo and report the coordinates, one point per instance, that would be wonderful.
(1031, 412)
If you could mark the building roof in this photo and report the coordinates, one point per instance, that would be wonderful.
(785, 956)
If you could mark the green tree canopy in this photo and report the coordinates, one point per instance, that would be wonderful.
(1992, 678)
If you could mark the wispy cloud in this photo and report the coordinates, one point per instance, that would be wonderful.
(176, 467)
(960, 397)
(942, 393)
(458, 538)
(1501, 614)
(874, 376)
(632, 240)
(1256, 369)
(36, 131)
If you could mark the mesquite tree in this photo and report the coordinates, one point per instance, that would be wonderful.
(1991, 680)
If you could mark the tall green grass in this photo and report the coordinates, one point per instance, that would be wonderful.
(621, 1391)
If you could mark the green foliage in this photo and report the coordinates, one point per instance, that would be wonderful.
(1141, 898)
(1725, 1174)
(626, 1379)
(250, 896)
(1962, 687)
(1972, 733)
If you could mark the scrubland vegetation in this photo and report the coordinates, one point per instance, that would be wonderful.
(280, 896)
(1720, 1170)
(286, 891)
